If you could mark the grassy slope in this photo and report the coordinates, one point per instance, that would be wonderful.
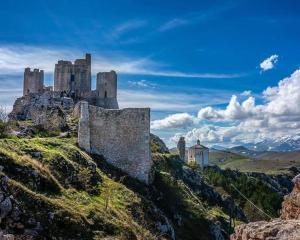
(52, 175)
(62, 180)
(189, 213)
(273, 165)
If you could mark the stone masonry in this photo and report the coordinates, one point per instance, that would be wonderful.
(33, 81)
(73, 78)
(121, 136)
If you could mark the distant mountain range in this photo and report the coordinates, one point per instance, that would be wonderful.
(266, 155)
(284, 144)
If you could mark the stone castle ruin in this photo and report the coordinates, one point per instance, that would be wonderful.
(33, 81)
(121, 136)
(74, 80)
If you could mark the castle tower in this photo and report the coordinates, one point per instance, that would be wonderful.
(107, 89)
(181, 148)
(73, 78)
(33, 81)
(63, 76)
(82, 75)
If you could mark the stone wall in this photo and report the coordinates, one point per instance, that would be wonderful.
(33, 81)
(62, 76)
(121, 136)
(107, 84)
(71, 77)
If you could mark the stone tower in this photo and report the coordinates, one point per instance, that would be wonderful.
(107, 89)
(181, 148)
(74, 78)
(33, 81)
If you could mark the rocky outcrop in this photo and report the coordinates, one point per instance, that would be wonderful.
(11, 216)
(275, 230)
(47, 110)
(196, 182)
(157, 145)
(285, 228)
(291, 204)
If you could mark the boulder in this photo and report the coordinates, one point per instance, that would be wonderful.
(274, 230)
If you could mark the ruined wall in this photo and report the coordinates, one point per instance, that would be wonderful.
(121, 136)
(33, 81)
(75, 77)
(106, 89)
(82, 74)
(62, 76)
(107, 84)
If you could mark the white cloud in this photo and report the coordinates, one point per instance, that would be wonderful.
(269, 63)
(246, 121)
(179, 120)
(246, 93)
(234, 110)
(173, 23)
(161, 101)
(142, 84)
(14, 58)
(124, 28)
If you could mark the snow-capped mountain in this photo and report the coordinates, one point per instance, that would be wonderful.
(284, 144)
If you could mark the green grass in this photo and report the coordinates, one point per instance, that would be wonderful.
(86, 203)
(237, 162)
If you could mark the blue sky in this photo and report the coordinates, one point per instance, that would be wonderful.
(177, 57)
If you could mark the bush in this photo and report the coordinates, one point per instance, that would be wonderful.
(3, 129)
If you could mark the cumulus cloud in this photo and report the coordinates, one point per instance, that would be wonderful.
(178, 120)
(245, 121)
(234, 110)
(281, 101)
(269, 63)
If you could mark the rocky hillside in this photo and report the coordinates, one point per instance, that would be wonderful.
(287, 227)
(51, 189)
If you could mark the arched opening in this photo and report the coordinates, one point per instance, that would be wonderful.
(105, 94)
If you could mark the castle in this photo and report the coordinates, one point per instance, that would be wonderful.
(74, 80)
(121, 136)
